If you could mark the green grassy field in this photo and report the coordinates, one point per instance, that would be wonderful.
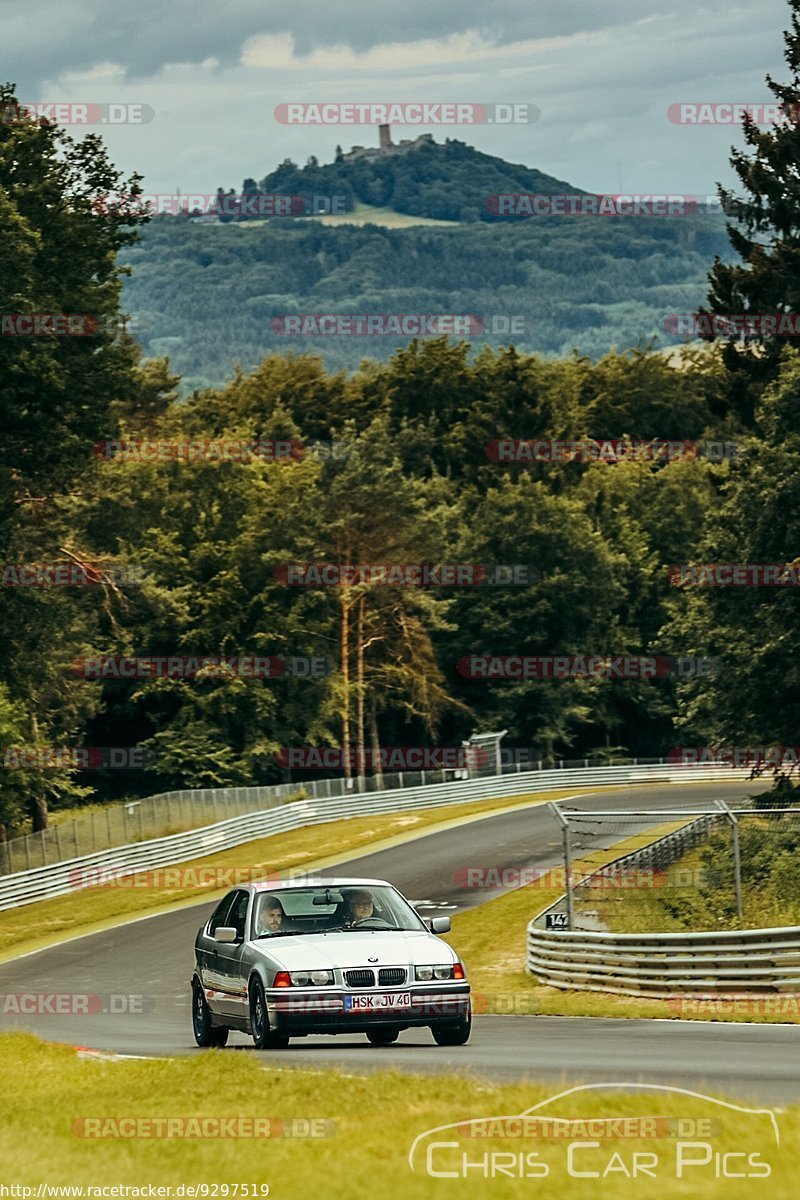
(366, 214)
(371, 1123)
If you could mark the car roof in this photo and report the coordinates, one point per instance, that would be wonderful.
(312, 880)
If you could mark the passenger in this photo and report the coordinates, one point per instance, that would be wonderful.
(360, 906)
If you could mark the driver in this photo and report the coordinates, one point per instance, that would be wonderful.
(360, 906)
(272, 915)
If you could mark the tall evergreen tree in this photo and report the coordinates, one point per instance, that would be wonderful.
(764, 230)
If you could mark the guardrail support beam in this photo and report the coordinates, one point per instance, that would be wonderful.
(567, 850)
(737, 862)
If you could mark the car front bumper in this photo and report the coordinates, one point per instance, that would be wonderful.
(326, 1012)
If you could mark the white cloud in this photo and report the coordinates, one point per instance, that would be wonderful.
(279, 53)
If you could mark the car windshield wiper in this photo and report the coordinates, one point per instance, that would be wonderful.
(263, 937)
(372, 929)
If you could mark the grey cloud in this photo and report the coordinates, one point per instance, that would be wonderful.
(145, 37)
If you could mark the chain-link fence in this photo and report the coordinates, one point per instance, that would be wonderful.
(175, 812)
(678, 869)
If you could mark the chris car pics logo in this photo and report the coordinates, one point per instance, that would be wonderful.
(607, 1132)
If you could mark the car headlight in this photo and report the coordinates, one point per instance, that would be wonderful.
(426, 974)
(311, 978)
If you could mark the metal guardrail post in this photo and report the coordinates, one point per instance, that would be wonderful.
(553, 806)
(737, 862)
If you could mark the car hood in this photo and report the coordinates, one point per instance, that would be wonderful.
(321, 950)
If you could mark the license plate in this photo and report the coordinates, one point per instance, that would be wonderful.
(377, 1000)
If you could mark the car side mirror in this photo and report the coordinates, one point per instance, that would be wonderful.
(440, 925)
(226, 933)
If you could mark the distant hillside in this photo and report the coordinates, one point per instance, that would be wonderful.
(449, 182)
(214, 295)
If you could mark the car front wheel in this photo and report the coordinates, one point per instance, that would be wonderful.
(264, 1038)
(205, 1034)
(382, 1037)
(455, 1033)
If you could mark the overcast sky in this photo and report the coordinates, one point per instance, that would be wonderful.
(602, 72)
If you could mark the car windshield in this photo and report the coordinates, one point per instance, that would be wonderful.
(332, 909)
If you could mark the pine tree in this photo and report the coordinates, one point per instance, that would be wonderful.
(764, 230)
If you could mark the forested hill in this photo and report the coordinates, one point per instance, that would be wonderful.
(447, 182)
(210, 296)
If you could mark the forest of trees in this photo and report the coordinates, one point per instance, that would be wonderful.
(411, 481)
(208, 295)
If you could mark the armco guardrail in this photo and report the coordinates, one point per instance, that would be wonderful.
(149, 817)
(663, 964)
(57, 879)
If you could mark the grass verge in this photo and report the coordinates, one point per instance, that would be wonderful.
(373, 1121)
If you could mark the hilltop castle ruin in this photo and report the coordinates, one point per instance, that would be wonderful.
(385, 146)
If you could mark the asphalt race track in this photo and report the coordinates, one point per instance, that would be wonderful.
(150, 960)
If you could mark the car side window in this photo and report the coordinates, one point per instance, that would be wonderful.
(221, 912)
(238, 913)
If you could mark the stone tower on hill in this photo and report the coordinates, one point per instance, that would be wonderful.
(385, 146)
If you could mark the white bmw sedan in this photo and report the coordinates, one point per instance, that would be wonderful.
(282, 960)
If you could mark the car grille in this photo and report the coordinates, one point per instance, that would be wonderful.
(392, 975)
(360, 978)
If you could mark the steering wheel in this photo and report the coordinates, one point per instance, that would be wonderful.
(367, 922)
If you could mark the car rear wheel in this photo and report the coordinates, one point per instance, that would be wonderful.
(382, 1037)
(264, 1038)
(205, 1034)
(454, 1034)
